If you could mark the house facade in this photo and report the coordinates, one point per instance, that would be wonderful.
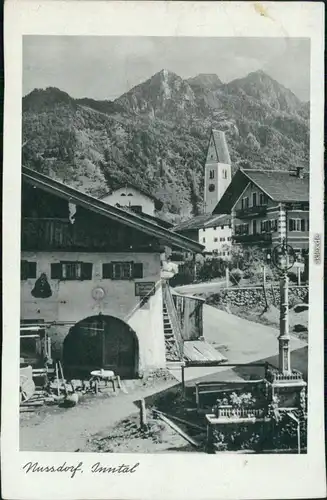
(91, 273)
(214, 232)
(134, 198)
(268, 206)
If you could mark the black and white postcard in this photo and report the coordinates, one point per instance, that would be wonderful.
(163, 250)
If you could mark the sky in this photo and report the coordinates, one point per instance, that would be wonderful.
(104, 67)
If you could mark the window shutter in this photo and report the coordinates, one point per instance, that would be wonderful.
(291, 225)
(107, 270)
(32, 269)
(138, 270)
(86, 270)
(56, 271)
(302, 225)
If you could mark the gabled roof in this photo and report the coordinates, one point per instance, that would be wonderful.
(278, 185)
(158, 203)
(125, 217)
(202, 222)
(219, 139)
(281, 185)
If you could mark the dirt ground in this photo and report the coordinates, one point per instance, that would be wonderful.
(53, 428)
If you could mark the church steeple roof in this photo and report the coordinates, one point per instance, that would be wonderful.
(221, 147)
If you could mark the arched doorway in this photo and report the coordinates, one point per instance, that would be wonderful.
(101, 342)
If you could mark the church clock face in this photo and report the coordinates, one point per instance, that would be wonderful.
(211, 187)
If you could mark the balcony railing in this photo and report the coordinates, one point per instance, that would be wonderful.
(251, 211)
(40, 233)
(264, 238)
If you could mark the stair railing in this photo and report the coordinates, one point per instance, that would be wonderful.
(173, 316)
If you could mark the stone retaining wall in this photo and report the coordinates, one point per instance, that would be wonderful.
(254, 296)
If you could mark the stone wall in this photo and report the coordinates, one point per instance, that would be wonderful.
(255, 296)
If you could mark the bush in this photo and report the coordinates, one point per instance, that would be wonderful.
(236, 275)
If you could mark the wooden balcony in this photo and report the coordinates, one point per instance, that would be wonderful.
(252, 239)
(86, 234)
(245, 213)
(46, 233)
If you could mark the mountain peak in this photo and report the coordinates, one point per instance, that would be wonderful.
(44, 98)
(208, 81)
(262, 87)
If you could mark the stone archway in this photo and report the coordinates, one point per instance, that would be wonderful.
(101, 342)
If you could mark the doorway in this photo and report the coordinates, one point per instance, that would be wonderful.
(101, 342)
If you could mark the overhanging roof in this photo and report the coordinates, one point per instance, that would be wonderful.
(125, 217)
(278, 185)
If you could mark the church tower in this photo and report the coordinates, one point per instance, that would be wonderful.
(218, 173)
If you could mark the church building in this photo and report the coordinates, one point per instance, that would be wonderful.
(214, 232)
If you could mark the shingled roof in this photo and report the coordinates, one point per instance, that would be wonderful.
(202, 222)
(219, 139)
(279, 185)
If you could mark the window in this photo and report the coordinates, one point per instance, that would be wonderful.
(223, 254)
(130, 194)
(215, 228)
(224, 173)
(245, 202)
(254, 199)
(296, 225)
(254, 227)
(27, 270)
(123, 194)
(211, 188)
(203, 240)
(222, 227)
(122, 270)
(211, 174)
(229, 238)
(230, 226)
(136, 208)
(215, 240)
(222, 239)
(263, 199)
(69, 271)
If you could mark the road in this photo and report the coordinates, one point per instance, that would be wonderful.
(241, 341)
(211, 287)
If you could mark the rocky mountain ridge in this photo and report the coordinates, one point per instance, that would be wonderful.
(157, 134)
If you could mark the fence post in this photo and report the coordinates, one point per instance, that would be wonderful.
(227, 277)
(143, 420)
(299, 276)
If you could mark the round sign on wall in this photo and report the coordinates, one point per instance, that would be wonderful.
(98, 293)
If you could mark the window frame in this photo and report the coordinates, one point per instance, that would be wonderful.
(85, 272)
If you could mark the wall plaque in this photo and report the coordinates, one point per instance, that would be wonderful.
(145, 288)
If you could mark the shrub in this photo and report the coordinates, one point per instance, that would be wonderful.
(236, 275)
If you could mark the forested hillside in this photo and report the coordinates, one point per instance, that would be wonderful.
(157, 134)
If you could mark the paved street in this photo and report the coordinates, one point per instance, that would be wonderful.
(241, 341)
(211, 287)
